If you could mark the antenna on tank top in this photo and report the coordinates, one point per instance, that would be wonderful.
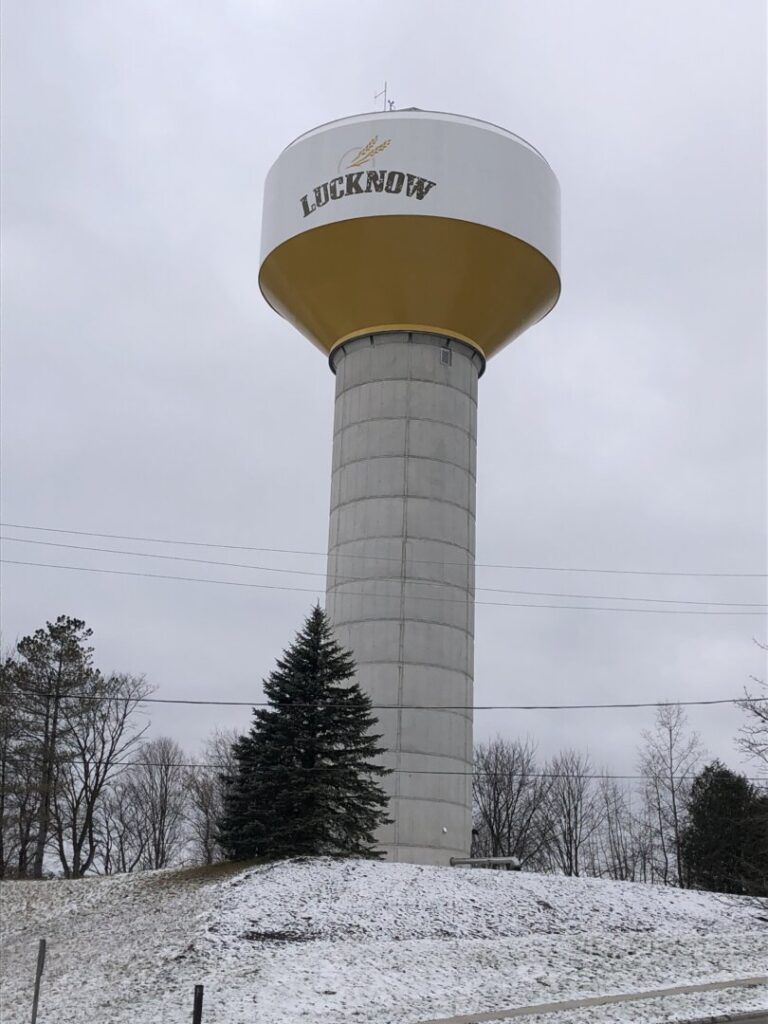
(388, 104)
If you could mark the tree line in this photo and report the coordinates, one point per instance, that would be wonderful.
(83, 790)
(681, 823)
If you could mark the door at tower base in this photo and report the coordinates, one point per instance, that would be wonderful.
(401, 571)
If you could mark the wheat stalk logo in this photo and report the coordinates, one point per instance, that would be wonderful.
(369, 151)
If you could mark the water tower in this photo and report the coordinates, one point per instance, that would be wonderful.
(410, 246)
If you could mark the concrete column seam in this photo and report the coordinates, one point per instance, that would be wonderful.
(390, 536)
(396, 618)
(414, 458)
(394, 497)
(398, 419)
(414, 380)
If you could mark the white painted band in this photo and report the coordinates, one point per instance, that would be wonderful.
(415, 163)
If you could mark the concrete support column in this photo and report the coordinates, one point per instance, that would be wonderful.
(401, 566)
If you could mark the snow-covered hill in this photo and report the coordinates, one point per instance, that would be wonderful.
(343, 941)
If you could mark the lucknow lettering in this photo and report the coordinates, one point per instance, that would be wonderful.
(360, 182)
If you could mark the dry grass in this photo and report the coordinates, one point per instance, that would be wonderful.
(201, 873)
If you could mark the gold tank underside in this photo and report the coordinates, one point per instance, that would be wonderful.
(415, 273)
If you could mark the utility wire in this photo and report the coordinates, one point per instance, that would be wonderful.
(314, 590)
(344, 580)
(101, 697)
(390, 771)
(422, 561)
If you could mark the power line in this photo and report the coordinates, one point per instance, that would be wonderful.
(393, 771)
(422, 561)
(105, 698)
(314, 590)
(384, 579)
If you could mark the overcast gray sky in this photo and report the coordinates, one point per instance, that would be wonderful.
(149, 390)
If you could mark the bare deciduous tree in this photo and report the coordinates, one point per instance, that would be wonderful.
(753, 735)
(157, 786)
(508, 797)
(101, 733)
(64, 728)
(620, 848)
(573, 810)
(669, 758)
(206, 796)
(121, 827)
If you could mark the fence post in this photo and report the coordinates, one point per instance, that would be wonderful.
(38, 976)
(197, 1011)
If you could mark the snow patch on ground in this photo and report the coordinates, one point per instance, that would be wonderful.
(350, 941)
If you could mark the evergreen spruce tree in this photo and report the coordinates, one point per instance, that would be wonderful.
(306, 774)
(725, 842)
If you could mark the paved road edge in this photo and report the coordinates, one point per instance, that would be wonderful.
(630, 997)
(728, 1018)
